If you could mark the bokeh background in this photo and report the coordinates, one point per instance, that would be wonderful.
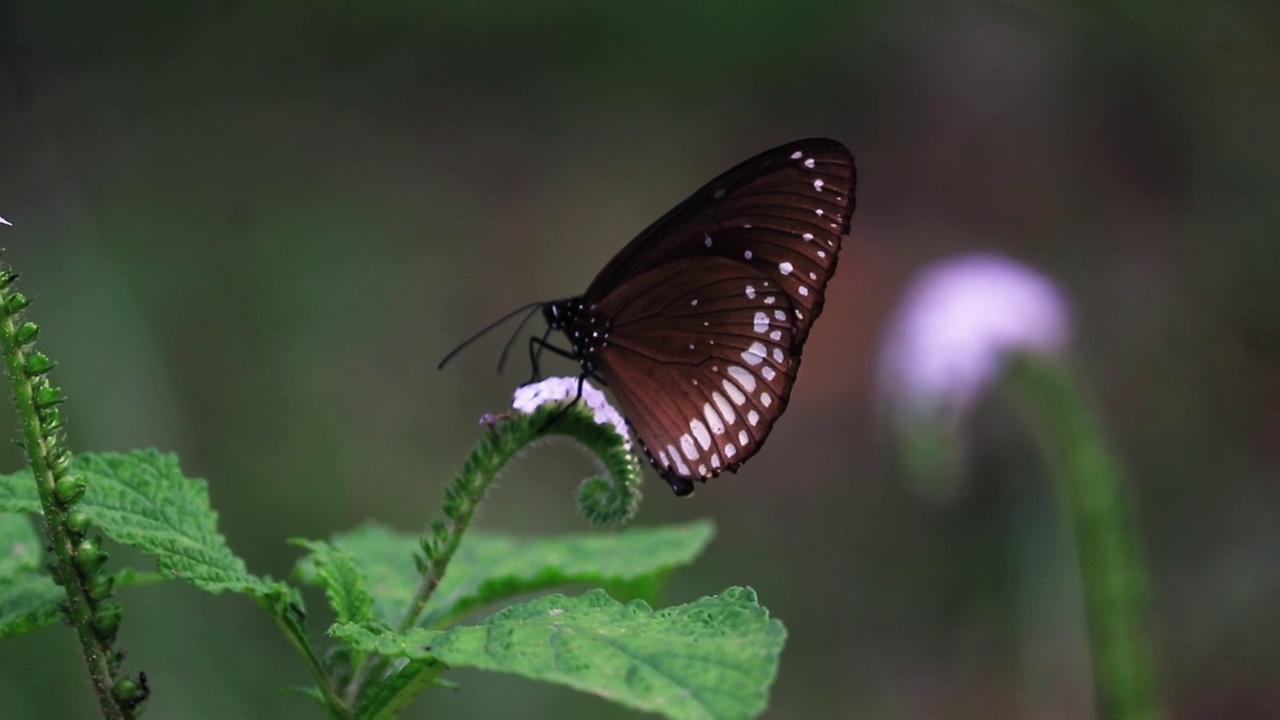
(252, 230)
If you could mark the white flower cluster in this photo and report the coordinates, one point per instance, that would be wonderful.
(528, 398)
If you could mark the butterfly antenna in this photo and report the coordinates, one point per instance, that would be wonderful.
(487, 328)
(506, 349)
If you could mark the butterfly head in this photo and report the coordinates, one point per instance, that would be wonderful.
(586, 328)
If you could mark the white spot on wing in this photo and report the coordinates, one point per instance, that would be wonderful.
(753, 417)
(702, 469)
(803, 290)
(779, 315)
(768, 373)
(726, 410)
(744, 378)
(715, 461)
(730, 450)
(769, 300)
(797, 155)
(820, 212)
(688, 448)
(714, 421)
(813, 276)
(777, 354)
(761, 323)
(817, 184)
(693, 302)
(743, 437)
(700, 433)
(807, 237)
(747, 254)
(751, 292)
(734, 394)
(755, 354)
(707, 241)
(822, 254)
(785, 268)
(675, 457)
(766, 399)
(808, 162)
(776, 336)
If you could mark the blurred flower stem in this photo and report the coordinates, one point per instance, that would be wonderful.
(1106, 536)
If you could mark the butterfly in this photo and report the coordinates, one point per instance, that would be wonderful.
(697, 326)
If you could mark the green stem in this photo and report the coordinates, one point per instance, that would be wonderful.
(613, 498)
(334, 705)
(62, 539)
(1107, 540)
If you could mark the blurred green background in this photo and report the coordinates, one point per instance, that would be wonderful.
(252, 230)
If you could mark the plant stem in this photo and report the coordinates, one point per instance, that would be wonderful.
(335, 707)
(1107, 539)
(609, 499)
(468, 488)
(62, 541)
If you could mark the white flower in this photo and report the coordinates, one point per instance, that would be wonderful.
(959, 319)
(528, 398)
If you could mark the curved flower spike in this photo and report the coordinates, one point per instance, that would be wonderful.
(528, 398)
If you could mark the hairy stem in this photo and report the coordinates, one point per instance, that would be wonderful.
(613, 498)
(43, 449)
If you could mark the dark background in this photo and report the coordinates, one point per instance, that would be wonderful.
(252, 229)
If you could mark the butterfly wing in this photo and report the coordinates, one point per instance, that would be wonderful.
(782, 212)
(701, 360)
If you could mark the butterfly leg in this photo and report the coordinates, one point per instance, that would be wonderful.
(536, 346)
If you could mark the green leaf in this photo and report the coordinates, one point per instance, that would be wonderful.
(712, 659)
(29, 598)
(141, 499)
(20, 546)
(343, 582)
(490, 567)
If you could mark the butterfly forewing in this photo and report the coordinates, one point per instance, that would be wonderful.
(783, 211)
(697, 326)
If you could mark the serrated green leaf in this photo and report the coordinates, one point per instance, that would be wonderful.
(20, 546)
(489, 567)
(342, 579)
(141, 499)
(29, 598)
(712, 659)
(28, 603)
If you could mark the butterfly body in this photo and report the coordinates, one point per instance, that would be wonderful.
(697, 326)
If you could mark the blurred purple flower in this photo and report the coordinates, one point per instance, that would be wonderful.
(528, 398)
(959, 318)
(944, 345)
